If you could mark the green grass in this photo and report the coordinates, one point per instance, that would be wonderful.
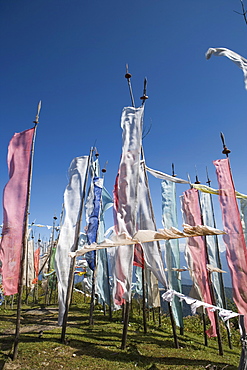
(98, 347)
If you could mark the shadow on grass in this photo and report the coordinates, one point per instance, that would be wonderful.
(6, 343)
(107, 347)
(103, 342)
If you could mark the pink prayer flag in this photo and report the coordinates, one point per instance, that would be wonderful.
(36, 265)
(14, 208)
(195, 253)
(236, 252)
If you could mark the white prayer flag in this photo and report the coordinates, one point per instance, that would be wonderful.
(236, 58)
(72, 202)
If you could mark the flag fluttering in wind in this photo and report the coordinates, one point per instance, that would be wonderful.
(36, 265)
(14, 208)
(172, 254)
(146, 236)
(236, 58)
(102, 282)
(195, 253)
(236, 252)
(28, 266)
(212, 249)
(72, 203)
(151, 249)
(126, 199)
(92, 229)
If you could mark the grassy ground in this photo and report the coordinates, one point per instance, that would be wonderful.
(98, 346)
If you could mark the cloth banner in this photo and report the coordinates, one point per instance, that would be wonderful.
(92, 229)
(151, 250)
(138, 256)
(195, 303)
(154, 270)
(72, 202)
(36, 266)
(14, 208)
(213, 249)
(209, 190)
(172, 254)
(243, 213)
(236, 58)
(195, 253)
(163, 176)
(125, 200)
(28, 266)
(236, 252)
(102, 282)
(153, 292)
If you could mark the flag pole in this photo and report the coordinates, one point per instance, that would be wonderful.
(94, 275)
(53, 276)
(128, 77)
(181, 328)
(225, 150)
(75, 247)
(24, 239)
(144, 295)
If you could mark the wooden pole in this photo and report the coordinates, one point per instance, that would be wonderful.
(173, 326)
(24, 240)
(128, 77)
(94, 277)
(126, 323)
(144, 309)
(204, 329)
(72, 263)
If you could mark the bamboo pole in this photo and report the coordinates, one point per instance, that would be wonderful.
(94, 277)
(144, 309)
(128, 77)
(24, 240)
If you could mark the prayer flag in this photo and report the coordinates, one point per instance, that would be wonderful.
(236, 58)
(36, 265)
(195, 252)
(213, 249)
(126, 200)
(172, 254)
(102, 282)
(92, 229)
(28, 266)
(72, 203)
(14, 208)
(236, 252)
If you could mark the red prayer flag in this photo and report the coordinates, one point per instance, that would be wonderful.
(14, 208)
(236, 252)
(196, 253)
(138, 256)
(36, 265)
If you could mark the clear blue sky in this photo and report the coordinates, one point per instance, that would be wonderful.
(71, 54)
